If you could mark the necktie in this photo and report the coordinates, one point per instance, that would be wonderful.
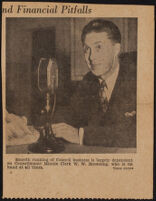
(103, 97)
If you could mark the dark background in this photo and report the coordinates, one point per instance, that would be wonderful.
(29, 39)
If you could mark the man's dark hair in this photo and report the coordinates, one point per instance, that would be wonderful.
(101, 25)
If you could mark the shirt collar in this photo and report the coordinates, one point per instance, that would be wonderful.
(110, 81)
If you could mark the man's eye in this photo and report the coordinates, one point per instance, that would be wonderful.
(98, 47)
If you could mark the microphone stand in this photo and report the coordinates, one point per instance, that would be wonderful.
(47, 142)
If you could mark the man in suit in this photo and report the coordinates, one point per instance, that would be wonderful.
(103, 108)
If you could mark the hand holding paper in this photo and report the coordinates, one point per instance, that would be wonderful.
(17, 131)
(66, 132)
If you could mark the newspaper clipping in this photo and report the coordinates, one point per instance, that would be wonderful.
(78, 92)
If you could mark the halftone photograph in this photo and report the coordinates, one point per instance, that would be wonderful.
(71, 85)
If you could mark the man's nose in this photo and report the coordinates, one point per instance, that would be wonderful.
(91, 55)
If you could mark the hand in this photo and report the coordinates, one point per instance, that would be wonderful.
(66, 131)
(16, 126)
(17, 131)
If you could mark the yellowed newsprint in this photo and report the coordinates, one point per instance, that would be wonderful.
(78, 90)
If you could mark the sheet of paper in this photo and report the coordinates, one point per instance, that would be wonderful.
(32, 30)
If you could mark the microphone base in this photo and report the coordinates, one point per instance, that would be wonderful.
(47, 146)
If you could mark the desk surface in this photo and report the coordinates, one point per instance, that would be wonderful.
(73, 149)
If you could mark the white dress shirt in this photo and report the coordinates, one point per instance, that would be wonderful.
(110, 82)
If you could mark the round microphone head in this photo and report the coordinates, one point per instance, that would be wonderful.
(48, 75)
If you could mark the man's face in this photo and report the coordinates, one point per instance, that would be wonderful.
(99, 53)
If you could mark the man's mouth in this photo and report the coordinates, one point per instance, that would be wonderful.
(95, 63)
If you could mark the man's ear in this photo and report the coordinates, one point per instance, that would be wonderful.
(117, 48)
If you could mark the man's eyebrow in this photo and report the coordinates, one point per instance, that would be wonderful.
(93, 43)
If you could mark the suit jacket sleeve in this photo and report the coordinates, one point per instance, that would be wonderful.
(121, 134)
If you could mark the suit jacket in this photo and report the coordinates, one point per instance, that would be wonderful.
(114, 128)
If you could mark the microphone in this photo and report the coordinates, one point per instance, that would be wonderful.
(47, 84)
(47, 75)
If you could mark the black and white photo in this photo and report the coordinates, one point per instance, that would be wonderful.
(96, 62)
